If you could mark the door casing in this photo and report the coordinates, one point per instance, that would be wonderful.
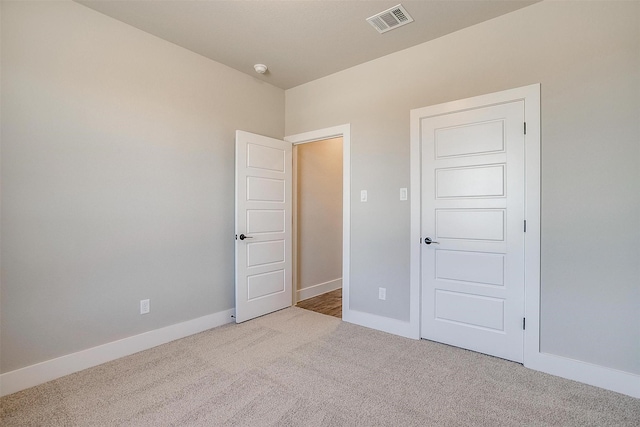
(531, 97)
(343, 131)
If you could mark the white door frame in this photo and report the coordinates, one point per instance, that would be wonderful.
(531, 97)
(343, 131)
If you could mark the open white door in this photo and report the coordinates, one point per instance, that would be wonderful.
(263, 225)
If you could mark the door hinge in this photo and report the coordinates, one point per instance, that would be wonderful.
(524, 323)
(525, 128)
(525, 225)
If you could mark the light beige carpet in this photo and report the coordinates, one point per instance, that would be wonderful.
(299, 368)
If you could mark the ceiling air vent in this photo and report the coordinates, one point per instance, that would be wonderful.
(390, 19)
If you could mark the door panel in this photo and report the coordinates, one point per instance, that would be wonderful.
(465, 140)
(266, 284)
(263, 225)
(470, 224)
(261, 157)
(482, 181)
(470, 310)
(473, 207)
(265, 189)
(480, 268)
(266, 221)
(261, 253)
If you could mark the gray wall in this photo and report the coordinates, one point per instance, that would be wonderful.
(319, 212)
(117, 179)
(586, 55)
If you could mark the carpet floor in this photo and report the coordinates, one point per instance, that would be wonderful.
(300, 368)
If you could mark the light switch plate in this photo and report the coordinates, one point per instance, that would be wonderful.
(363, 195)
(403, 194)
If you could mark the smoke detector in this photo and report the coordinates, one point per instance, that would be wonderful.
(260, 68)
(390, 19)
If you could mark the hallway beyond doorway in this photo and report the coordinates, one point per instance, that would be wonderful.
(329, 303)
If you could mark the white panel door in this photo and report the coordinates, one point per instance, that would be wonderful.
(263, 225)
(473, 229)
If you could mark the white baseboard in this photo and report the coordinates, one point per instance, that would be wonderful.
(599, 376)
(384, 324)
(588, 373)
(21, 379)
(39, 373)
(319, 289)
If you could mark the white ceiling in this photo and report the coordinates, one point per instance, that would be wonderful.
(299, 41)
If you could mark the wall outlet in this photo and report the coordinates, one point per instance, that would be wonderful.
(403, 194)
(144, 306)
(363, 195)
(382, 293)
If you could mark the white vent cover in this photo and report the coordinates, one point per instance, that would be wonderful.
(390, 19)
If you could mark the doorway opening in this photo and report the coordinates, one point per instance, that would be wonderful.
(317, 225)
(343, 132)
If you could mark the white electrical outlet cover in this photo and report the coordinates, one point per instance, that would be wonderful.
(144, 306)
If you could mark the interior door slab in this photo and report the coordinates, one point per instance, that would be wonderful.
(473, 213)
(263, 225)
